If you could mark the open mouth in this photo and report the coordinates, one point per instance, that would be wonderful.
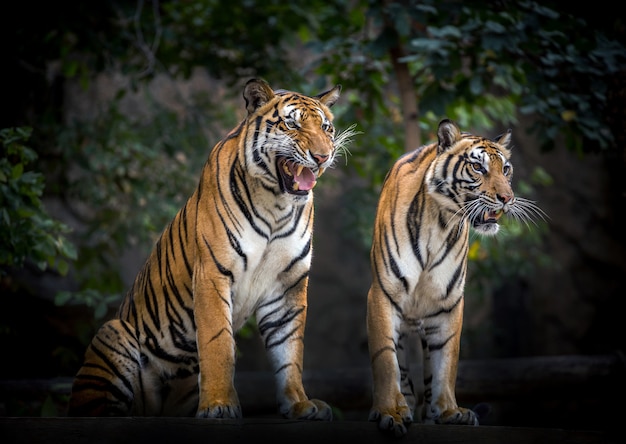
(489, 217)
(294, 178)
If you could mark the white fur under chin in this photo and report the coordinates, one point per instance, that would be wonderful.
(487, 229)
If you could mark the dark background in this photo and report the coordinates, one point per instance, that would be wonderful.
(571, 307)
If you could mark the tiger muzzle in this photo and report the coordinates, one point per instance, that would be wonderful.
(295, 178)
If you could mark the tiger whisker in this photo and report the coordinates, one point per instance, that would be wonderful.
(531, 208)
(343, 139)
(522, 210)
(466, 211)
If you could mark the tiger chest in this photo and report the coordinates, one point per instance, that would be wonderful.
(437, 280)
(271, 267)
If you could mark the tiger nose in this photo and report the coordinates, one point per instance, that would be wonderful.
(505, 198)
(320, 158)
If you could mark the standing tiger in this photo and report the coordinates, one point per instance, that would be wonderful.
(240, 247)
(429, 200)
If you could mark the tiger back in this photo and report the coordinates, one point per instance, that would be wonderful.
(430, 199)
(240, 246)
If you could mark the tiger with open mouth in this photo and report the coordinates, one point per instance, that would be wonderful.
(430, 199)
(240, 247)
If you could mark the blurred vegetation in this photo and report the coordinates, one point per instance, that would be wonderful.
(135, 174)
(122, 175)
(27, 232)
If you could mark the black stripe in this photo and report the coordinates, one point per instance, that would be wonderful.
(303, 254)
(414, 216)
(393, 303)
(298, 215)
(234, 242)
(223, 270)
(178, 295)
(221, 332)
(381, 351)
(182, 222)
(277, 327)
(439, 346)
(152, 342)
(239, 200)
(444, 310)
(394, 266)
(112, 366)
(455, 279)
(153, 310)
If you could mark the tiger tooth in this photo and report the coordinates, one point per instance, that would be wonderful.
(296, 186)
(286, 169)
(299, 170)
(321, 171)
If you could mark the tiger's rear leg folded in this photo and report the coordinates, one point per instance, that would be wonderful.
(107, 382)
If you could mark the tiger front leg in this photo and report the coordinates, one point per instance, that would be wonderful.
(216, 349)
(390, 408)
(443, 342)
(281, 324)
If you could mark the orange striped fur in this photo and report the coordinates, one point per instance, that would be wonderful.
(240, 247)
(429, 201)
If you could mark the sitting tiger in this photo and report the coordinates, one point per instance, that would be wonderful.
(429, 201)
(241, 246)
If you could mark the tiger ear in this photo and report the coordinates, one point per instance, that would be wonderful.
(448, 134)
(330, 97)
(257, 93)
(504, 139)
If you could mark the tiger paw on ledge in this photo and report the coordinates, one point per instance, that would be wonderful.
(311, 409)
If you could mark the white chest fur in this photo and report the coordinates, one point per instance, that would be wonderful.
(271, 267)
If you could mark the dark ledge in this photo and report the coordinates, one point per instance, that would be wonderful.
(190, 430)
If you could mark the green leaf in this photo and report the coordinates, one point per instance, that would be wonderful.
(62, 267)
(476, 85)
(17, 171)
(62, 298)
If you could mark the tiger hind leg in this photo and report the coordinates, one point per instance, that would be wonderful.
(107, 382)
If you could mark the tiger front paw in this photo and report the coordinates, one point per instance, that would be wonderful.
(312, 409)
(459, 415)
(220, 411)
(393, 421)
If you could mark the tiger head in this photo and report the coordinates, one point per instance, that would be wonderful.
(293, 136)
(471, 176)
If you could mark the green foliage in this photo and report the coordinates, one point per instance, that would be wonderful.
(231, 40)
(495, 61)
(27, 232)
(479, 64)
(125, 178)
(515, 253)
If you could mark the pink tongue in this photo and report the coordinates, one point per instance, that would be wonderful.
(306, 179)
